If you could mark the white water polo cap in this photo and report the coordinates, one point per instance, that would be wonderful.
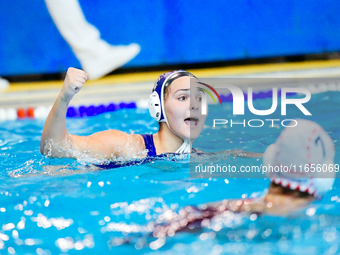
(156, 101)
(298, 150)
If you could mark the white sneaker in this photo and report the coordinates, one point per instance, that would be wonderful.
(115, 57)
(3, 84)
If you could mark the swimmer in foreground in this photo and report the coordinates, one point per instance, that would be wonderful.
(288, 192)
(176, 109)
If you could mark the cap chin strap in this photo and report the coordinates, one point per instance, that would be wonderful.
(185, 147)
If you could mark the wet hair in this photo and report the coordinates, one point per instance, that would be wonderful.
(166, 91)
(175, 77)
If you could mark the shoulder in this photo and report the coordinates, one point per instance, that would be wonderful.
(118, 137)
(115, 143)
(115, 136)
(123, 145)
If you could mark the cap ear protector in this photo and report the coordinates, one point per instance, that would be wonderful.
(154, 105)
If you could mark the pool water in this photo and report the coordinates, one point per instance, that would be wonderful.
(62, 206)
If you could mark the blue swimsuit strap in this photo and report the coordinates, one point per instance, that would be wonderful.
(149, 145)
(151, 157)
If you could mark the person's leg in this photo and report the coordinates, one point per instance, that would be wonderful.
(3, 84)
(95, 55)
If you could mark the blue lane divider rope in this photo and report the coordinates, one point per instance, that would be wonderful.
(92, 110)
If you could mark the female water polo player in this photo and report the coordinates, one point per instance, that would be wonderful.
(305, 144)
(172, 106)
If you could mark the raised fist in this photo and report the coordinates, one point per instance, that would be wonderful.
(74, 81)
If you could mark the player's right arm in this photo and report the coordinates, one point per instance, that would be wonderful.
(58, 143)
(55, 126)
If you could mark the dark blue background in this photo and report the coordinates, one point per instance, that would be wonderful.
(171, 32)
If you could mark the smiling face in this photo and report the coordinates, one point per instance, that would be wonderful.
(183, 109)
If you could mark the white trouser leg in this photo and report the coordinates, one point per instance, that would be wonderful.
(83, 37)
(3, 84)
(96, 56)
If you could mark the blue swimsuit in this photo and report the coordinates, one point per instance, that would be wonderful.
(152, 155)
(149, 145)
